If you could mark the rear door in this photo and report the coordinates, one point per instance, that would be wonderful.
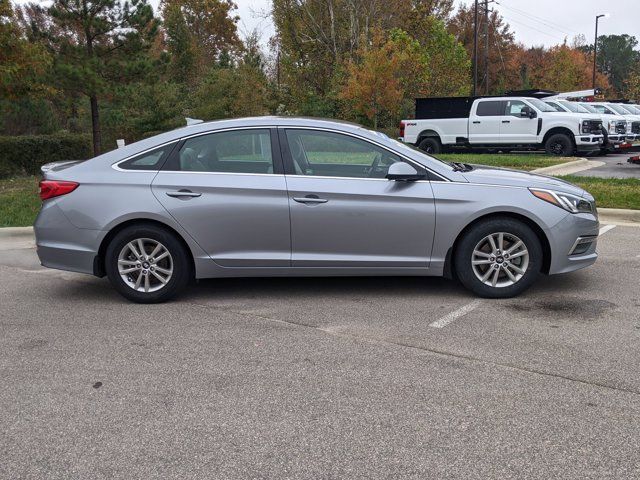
(484, 121)
(228, 190)
(517, 129)
(345, 213)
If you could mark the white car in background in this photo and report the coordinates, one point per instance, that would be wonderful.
(611, 109)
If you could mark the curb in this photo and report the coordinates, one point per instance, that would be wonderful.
(569, 167)
(619, 216)
(16, 232)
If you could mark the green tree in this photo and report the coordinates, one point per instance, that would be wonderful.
(616, 58)
(99, 44)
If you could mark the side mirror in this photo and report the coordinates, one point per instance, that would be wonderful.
(403, 172)
(527, 112)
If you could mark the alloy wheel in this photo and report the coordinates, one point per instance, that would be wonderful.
(500, 259)
(145, 265)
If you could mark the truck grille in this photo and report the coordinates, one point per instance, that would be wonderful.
(635, 127)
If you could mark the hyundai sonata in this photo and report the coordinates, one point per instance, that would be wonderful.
(274, 196)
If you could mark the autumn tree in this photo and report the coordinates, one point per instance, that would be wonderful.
(384, 73)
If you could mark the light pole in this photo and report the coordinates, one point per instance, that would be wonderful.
(595, 48)
(475, 49)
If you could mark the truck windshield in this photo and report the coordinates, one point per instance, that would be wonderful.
(540, 105)
(618, 108)
(556, 107)
(589, 108)
(573, 107)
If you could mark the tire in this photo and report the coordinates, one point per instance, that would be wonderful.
(430, 145)
(559, 145)
(504, 287)
(123, 260)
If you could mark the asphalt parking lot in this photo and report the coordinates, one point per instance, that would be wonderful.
(322, 378)
(615, 166)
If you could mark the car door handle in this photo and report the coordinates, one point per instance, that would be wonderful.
(183, 193)
(310, 200)
(506, 121)
(476, 121)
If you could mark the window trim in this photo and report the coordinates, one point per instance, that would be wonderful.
(278, 167)
(276, 157)
(289, 170)
(116, 166)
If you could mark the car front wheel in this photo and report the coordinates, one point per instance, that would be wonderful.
(147, 264)
(498, 258)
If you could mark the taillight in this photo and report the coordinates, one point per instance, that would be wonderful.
(55, 188)
(401, 130)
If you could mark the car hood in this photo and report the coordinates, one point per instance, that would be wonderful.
(516, 178)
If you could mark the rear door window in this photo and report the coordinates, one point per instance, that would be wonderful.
(490, 108)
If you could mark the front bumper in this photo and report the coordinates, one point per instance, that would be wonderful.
(589, 143)
(573, 243)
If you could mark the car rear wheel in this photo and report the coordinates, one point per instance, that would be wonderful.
(559, 145)
(147, 264)
(498, 258)
(430, 145)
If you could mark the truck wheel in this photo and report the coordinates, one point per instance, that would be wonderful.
(430, 145)
(559, 145)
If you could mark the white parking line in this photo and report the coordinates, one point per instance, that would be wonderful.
(605, 229)
(450, 317)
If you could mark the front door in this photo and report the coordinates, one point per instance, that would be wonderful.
(515, 128)
(345, 213)
(227, 189)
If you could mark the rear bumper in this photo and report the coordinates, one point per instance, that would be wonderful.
(565, 237)
(63, 246)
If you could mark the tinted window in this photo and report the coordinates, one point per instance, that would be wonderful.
(236, 151)
(151, 160)
(335, 155)
(490, 108)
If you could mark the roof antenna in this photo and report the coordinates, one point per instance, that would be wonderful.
(193, 121)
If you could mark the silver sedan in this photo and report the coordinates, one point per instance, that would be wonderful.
(304, 197)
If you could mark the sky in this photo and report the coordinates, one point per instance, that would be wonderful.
(538, 22)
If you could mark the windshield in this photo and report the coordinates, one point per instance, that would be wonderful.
(618, 108)
(556, 107)
(633, 109)
(573, 107)
(408, 148)
(540, 105)
(589, 108)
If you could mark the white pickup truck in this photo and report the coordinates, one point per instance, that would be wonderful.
(499, 123)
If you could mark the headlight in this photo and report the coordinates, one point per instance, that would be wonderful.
(612, 127)
(566, 201)
(585, 127)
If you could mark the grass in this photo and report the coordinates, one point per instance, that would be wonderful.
(519, 162)
(610, 192)
(19, 201)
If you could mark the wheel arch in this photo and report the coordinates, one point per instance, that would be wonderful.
(564, 130)
(428, 132)
(449, 270)
(98, 261)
